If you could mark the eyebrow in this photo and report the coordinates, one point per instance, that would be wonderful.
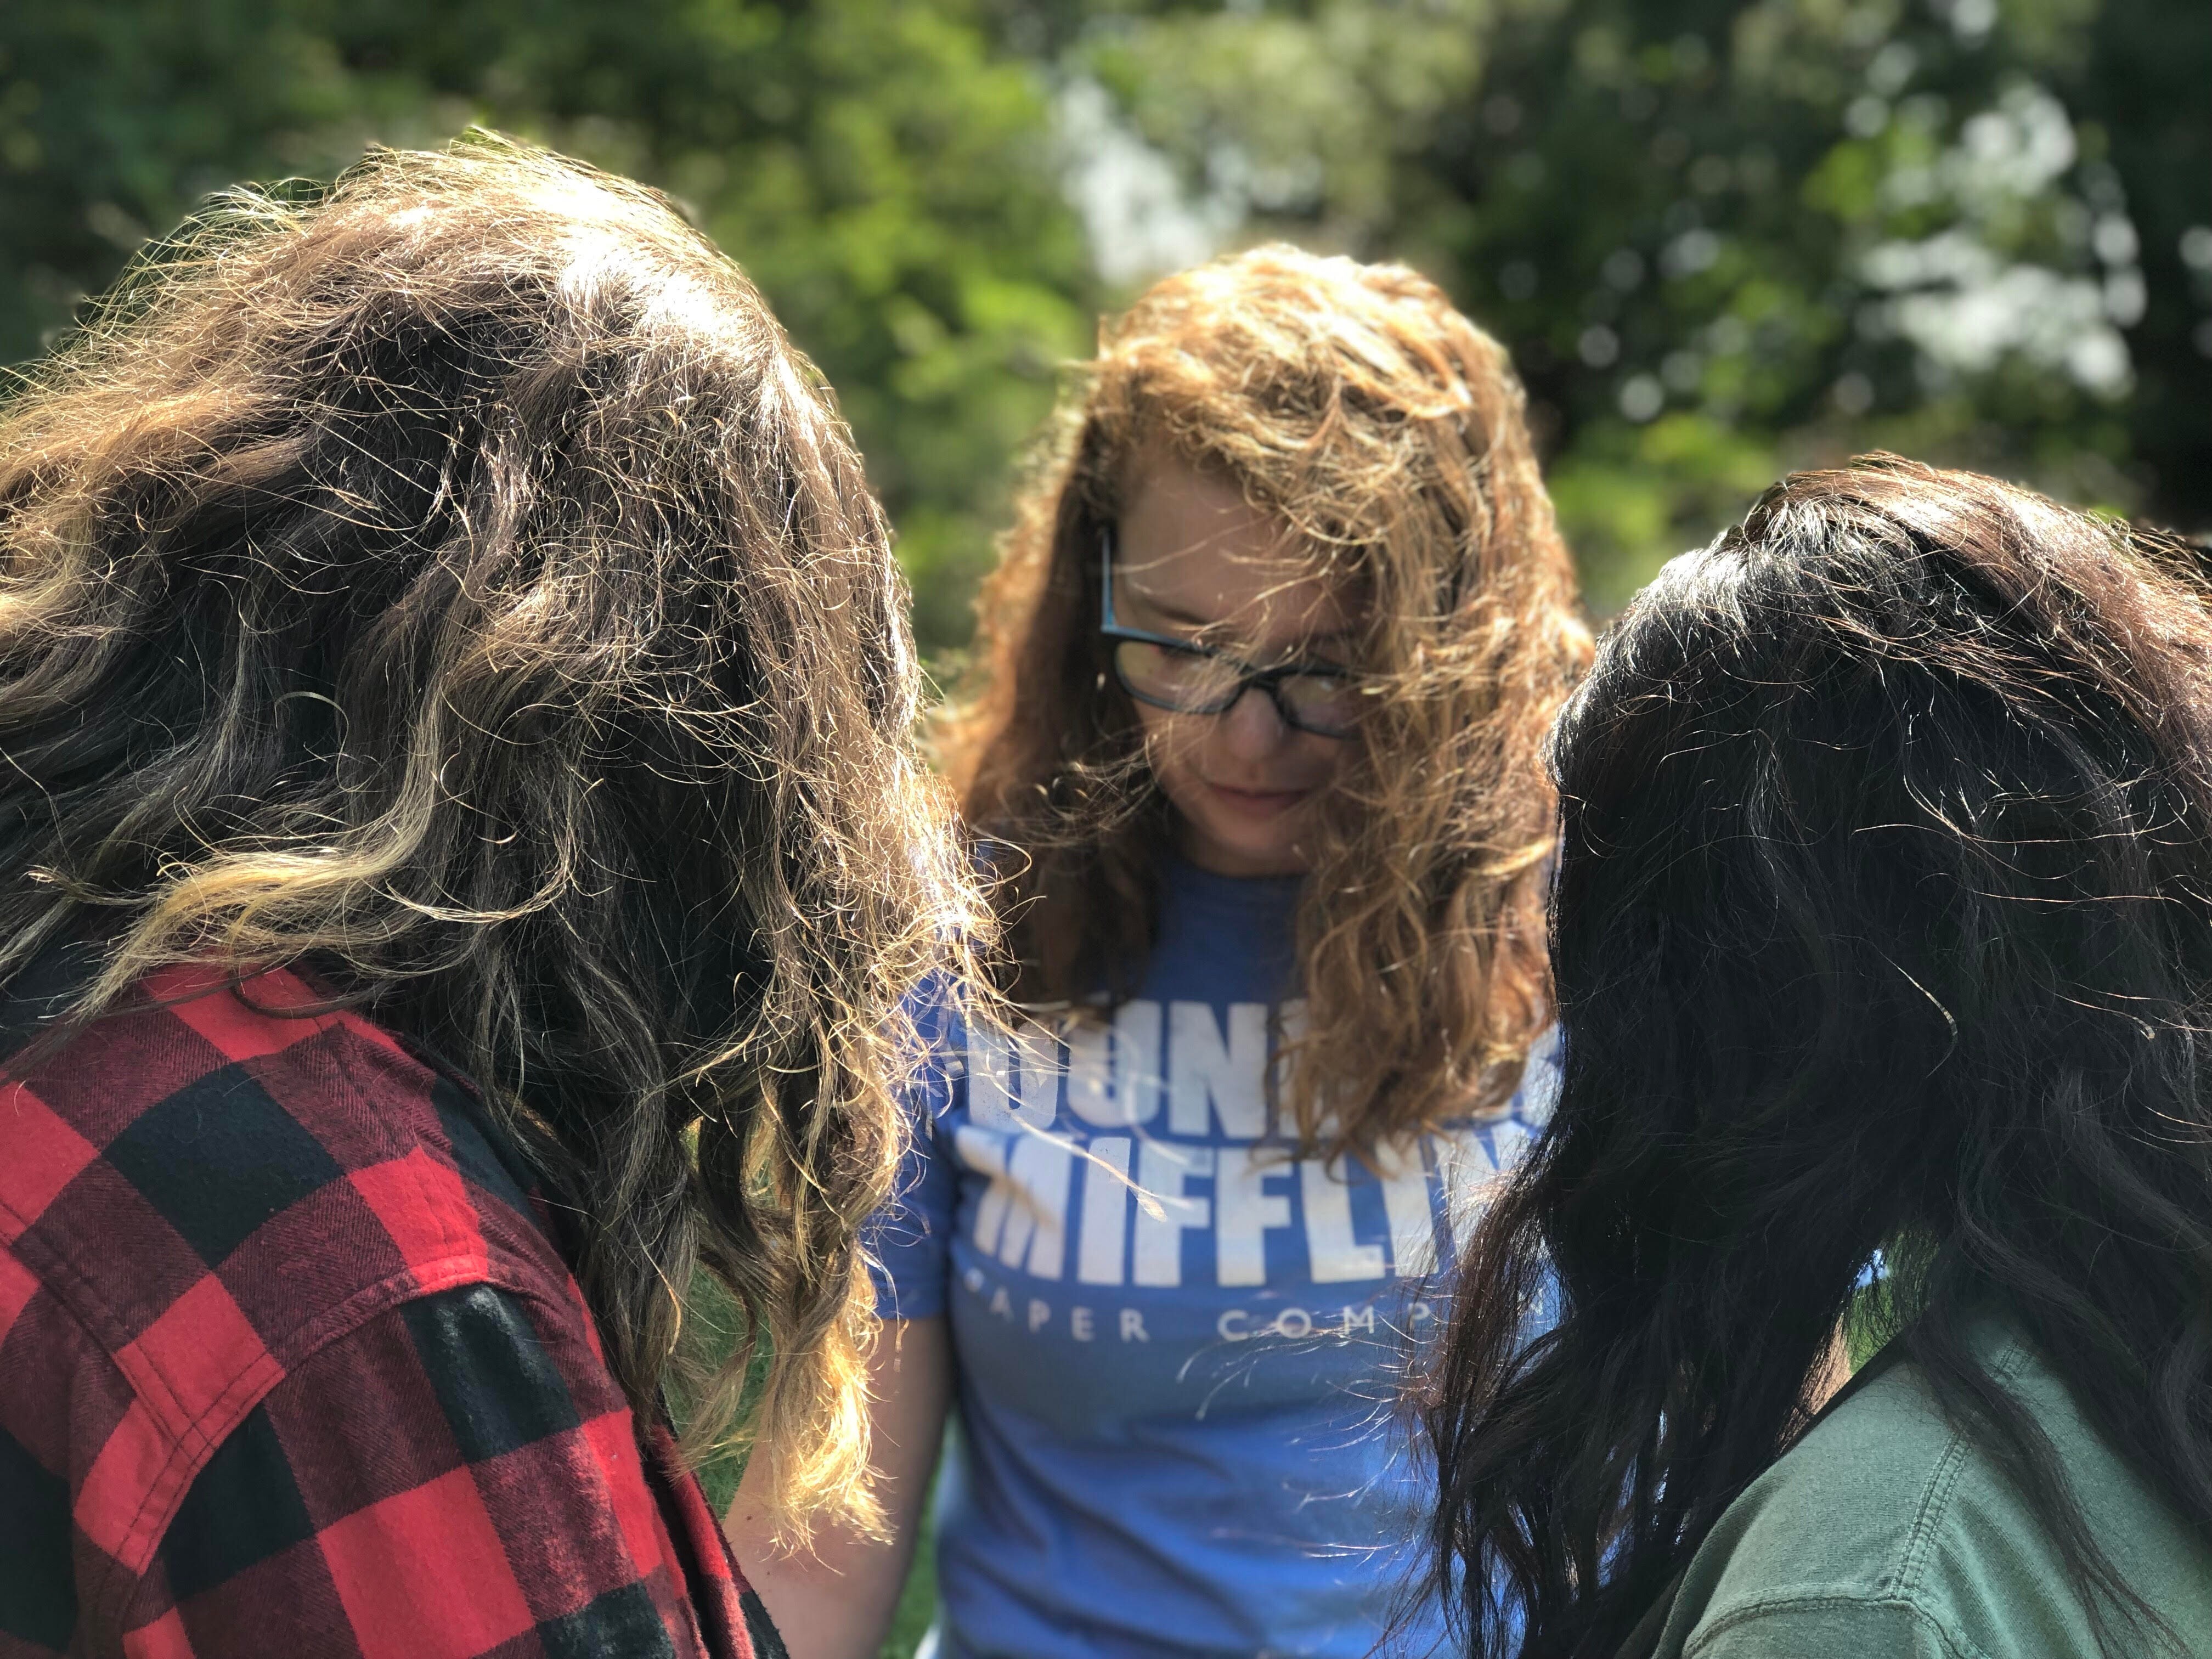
(1174, 613)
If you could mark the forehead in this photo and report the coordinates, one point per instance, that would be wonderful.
(1189, 544)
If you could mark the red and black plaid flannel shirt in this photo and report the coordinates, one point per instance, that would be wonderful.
(290, 1364)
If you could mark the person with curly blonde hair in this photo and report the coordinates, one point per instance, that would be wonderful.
(1253, 753)
(463, 854)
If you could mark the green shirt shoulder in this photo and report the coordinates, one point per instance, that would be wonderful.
(1885, 1533)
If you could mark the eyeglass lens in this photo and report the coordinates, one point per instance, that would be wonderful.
(1193, 682)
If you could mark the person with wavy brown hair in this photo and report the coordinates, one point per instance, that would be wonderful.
(1883, 941)
(1253, 752)
(462, 856)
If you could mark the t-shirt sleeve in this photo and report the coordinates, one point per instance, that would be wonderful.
(1841, 1627)
(458, 1474)
(909, 1240)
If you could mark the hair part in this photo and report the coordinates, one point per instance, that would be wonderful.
(1387, 433)
(456, 582)
(1883, 923)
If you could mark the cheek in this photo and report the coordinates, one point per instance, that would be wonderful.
(1170, 746)
(1320, 760)
(1174, 749)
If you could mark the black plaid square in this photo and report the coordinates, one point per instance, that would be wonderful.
(219, 1159)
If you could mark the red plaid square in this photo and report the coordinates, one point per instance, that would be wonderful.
(381, 1558)
(44, 1154)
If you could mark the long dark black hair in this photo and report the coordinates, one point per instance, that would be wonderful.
(1882, 933)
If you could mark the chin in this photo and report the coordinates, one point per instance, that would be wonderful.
(1272, 857)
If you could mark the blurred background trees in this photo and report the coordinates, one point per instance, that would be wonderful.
(1723, 237)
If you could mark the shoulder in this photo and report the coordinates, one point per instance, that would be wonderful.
(1874, 1477)
(1541, 1072)
(201, 1191)
(299, 1159)
(1806, 1626)
(1887, 1531)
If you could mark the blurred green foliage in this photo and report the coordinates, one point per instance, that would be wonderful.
(1723, 237)
(879, 166)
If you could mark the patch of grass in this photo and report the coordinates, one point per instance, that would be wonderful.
(918, 1601)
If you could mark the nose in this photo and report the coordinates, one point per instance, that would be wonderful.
(1252, 727)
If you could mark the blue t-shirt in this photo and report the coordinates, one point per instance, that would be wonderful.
(1178, 1347)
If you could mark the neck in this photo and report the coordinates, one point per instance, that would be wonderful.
(1217, 858)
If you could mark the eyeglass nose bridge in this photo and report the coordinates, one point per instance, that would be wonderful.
(1269, 683)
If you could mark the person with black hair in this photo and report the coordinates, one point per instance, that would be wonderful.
(1882, 936)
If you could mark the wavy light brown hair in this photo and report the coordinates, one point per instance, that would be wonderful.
(457, 583)
(1354, 404)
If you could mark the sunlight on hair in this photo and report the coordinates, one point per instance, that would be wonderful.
(1387, 432)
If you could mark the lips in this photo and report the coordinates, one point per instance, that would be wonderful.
(1258, 803)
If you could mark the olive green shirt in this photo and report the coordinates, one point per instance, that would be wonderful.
(1885, 1533)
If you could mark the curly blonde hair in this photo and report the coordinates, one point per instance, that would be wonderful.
(1353, 402)
(456, 580)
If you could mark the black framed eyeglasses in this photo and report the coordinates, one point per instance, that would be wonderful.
(1190, 678)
